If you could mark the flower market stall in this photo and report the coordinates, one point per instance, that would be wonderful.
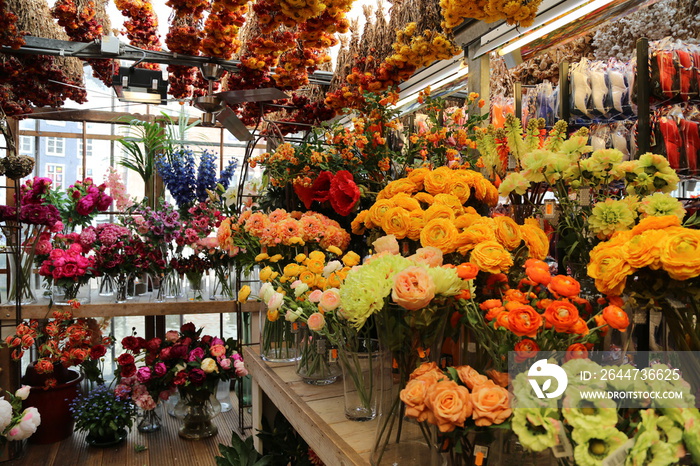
(458, 233)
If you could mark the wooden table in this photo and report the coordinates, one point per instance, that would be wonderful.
(316, 412)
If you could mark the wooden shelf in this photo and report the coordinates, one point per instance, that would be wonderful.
(316, 412)
(101, 306)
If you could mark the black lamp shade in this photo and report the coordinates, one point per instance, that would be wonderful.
(140, 85)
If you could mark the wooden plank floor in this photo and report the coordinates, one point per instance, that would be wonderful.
(164, 447)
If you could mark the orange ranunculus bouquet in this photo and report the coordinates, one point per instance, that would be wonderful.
(542, 313)
(657, 265)
(438, 208)
(454, 401)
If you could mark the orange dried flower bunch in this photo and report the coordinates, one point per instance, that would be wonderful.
(191, 8)
(184, 36)
(521, 12)
(221, 29)
(78, 20)
(141, 26)
(9, 34)
(301, 10)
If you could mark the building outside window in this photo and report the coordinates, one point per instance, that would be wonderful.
(55, 146)
(88, 148)
(26, 145)
(56, 172)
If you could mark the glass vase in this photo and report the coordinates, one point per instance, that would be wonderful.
(20, 285)
(149, 420)
(123, 283)
(318, 360)
(223, 284)
(277, 338)
(223, 394)
(170, 286)
(407, 339)
(106, 286)
(196, 287)
(197, 409)
(74, 292)
(361, 362)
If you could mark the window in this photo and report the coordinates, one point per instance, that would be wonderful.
(80, 173)
(26, 145)
(55, 146)
(56, 172)
(88, 151)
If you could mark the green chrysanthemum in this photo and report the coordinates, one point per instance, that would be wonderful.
(657, 442)
(594, 444)
(661, 204)
(534, 164)
(447, 282)
(535, 429)
(558, 164)
(587, 414)
(691, 436)
(610, 216)
(514, 183)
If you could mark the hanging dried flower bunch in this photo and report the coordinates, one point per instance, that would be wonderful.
(520, 12)
(141, 26)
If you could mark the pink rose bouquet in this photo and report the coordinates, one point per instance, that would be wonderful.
(81, 202)
(68, 265)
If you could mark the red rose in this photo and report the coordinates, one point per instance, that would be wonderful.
(128, 371)
(178, 352)
(150, 359)
(322, 186)
(165, 354)
(305, 194)
(130, 343)
(344, 193)
(188, 328)
(97, 351)
(197, 376)
(207, 339)
(125, 359)
(180, 378)
(153, 345)
(141, 342)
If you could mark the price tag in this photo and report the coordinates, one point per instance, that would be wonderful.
(619, 456)
(564, 448)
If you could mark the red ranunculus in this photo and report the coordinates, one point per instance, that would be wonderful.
(322, 186)
(141, 342)
(125, 359)
(97, 351)
(153, 345)
(178, 352)
(207, 339)
(344, 193)
(188, 328)
(180, 378)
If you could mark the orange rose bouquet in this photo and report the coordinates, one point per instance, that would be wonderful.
(656, 265)
(455, 401)
(542, 313)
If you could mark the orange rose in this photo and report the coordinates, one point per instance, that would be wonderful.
(423, 369)
(538, 275)
(491, 257)
(397, 222)
(680, 254)
(524, 321)
(430, 256)
(525, 349)
(563, 285)
(439, 233)
(507, 232)
(414, 397)
(491, 404)
(616, 318)
(413, 288)
(562, 315)
(576, 351)
(536, 241)
(500, 378)
(450, 404)
(470, 377)
(467, 271)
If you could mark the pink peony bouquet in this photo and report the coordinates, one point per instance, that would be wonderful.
(81, 202)
(151, 370)
(67, 264)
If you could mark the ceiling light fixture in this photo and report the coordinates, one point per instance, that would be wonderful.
(140, 86)
(436, 83)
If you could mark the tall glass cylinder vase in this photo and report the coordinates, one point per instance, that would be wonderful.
(20, 286)
(277, 338)
(149, 420)
(122, 285)
(223, 394)
(406, 338)
(196, 286)
(223, 283)
(361, 362)
(106, 285)
(318, 360)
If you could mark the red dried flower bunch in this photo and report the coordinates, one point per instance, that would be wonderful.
(62, 340)
(9, 34)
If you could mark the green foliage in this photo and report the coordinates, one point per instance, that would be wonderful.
(101, 411)
(241, 453)
(285, 445)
